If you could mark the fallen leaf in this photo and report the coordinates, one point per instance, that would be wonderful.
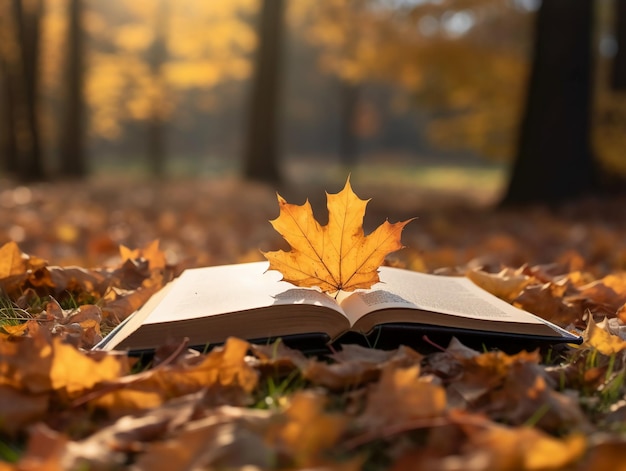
(609, 454)
(129, 434)
(355, 365)
(610, 290)
(547, 301)
(506, 284)
(118, 306)
(401, 396)
(224, 371)
(525, 448)
(598, 336)
(151, 253)
(39, 364)
(621, 313)
(45, 451)
(14, 262)
(307, 431)
(337, 256)
(20, 408)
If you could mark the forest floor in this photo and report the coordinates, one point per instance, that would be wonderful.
(209, 221)
(456, 409)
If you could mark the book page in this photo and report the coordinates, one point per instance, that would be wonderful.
(457, 296)
(202, 292)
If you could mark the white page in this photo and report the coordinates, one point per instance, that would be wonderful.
(201, 292)
(458, 296)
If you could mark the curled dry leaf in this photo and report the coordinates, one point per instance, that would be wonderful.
(224, 370)
(610, 290)
(547, 301)
(39, 364)
(355, 365)
(598, 336)
(337, 256)
(506, 284)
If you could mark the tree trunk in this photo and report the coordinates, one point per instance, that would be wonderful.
(618, 78)
(156, 138)
(262, 140)
(73, 161)
(348, 141)
(8, 129)
(28, 23)
(554, 160)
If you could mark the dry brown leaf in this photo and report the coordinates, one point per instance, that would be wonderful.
(118, 306)
(277, 359)
(621, 313)
(337, 256)
(610, 290)
(208, 444)
(401, 396)
(525, 448)
(45, 451)
(547, 301)
(20, 408)
(609, 454)
(38, 364)
(598, 336)
(224, 371)
(506, 284)
(307, 430)
(130, 434)
(355, 365)
(228, 438)
(522, 393)
(14, 262)
(151, 253)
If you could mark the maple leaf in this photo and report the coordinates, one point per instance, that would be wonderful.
(337, 256)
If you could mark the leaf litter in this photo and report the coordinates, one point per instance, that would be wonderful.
(63, 406)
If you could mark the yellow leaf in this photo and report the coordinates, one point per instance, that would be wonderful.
(506, 284)
(527, 448)
(14, 262)
(599, 337)
(307, 429)
(337, 256)
(151, 252)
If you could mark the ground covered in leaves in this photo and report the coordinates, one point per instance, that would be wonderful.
(76, 259)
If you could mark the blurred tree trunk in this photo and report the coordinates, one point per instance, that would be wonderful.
(8, 137)
(261, 151)
(27, 18)
(618, 79)
(348, 140)
(73, 160)
(554, 160)
(156, 139)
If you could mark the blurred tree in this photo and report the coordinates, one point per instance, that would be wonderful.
(610, 99)
(348, 141)
(157, 57)
(27, 17)
(155, 73)
(261, 152)
(8, 66)
(463, 61)
(73, 160)
(554, 159)
(619, 62)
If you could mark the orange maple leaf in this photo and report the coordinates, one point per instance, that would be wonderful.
(337, 256)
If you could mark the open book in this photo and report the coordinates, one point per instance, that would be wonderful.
(208, 305)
